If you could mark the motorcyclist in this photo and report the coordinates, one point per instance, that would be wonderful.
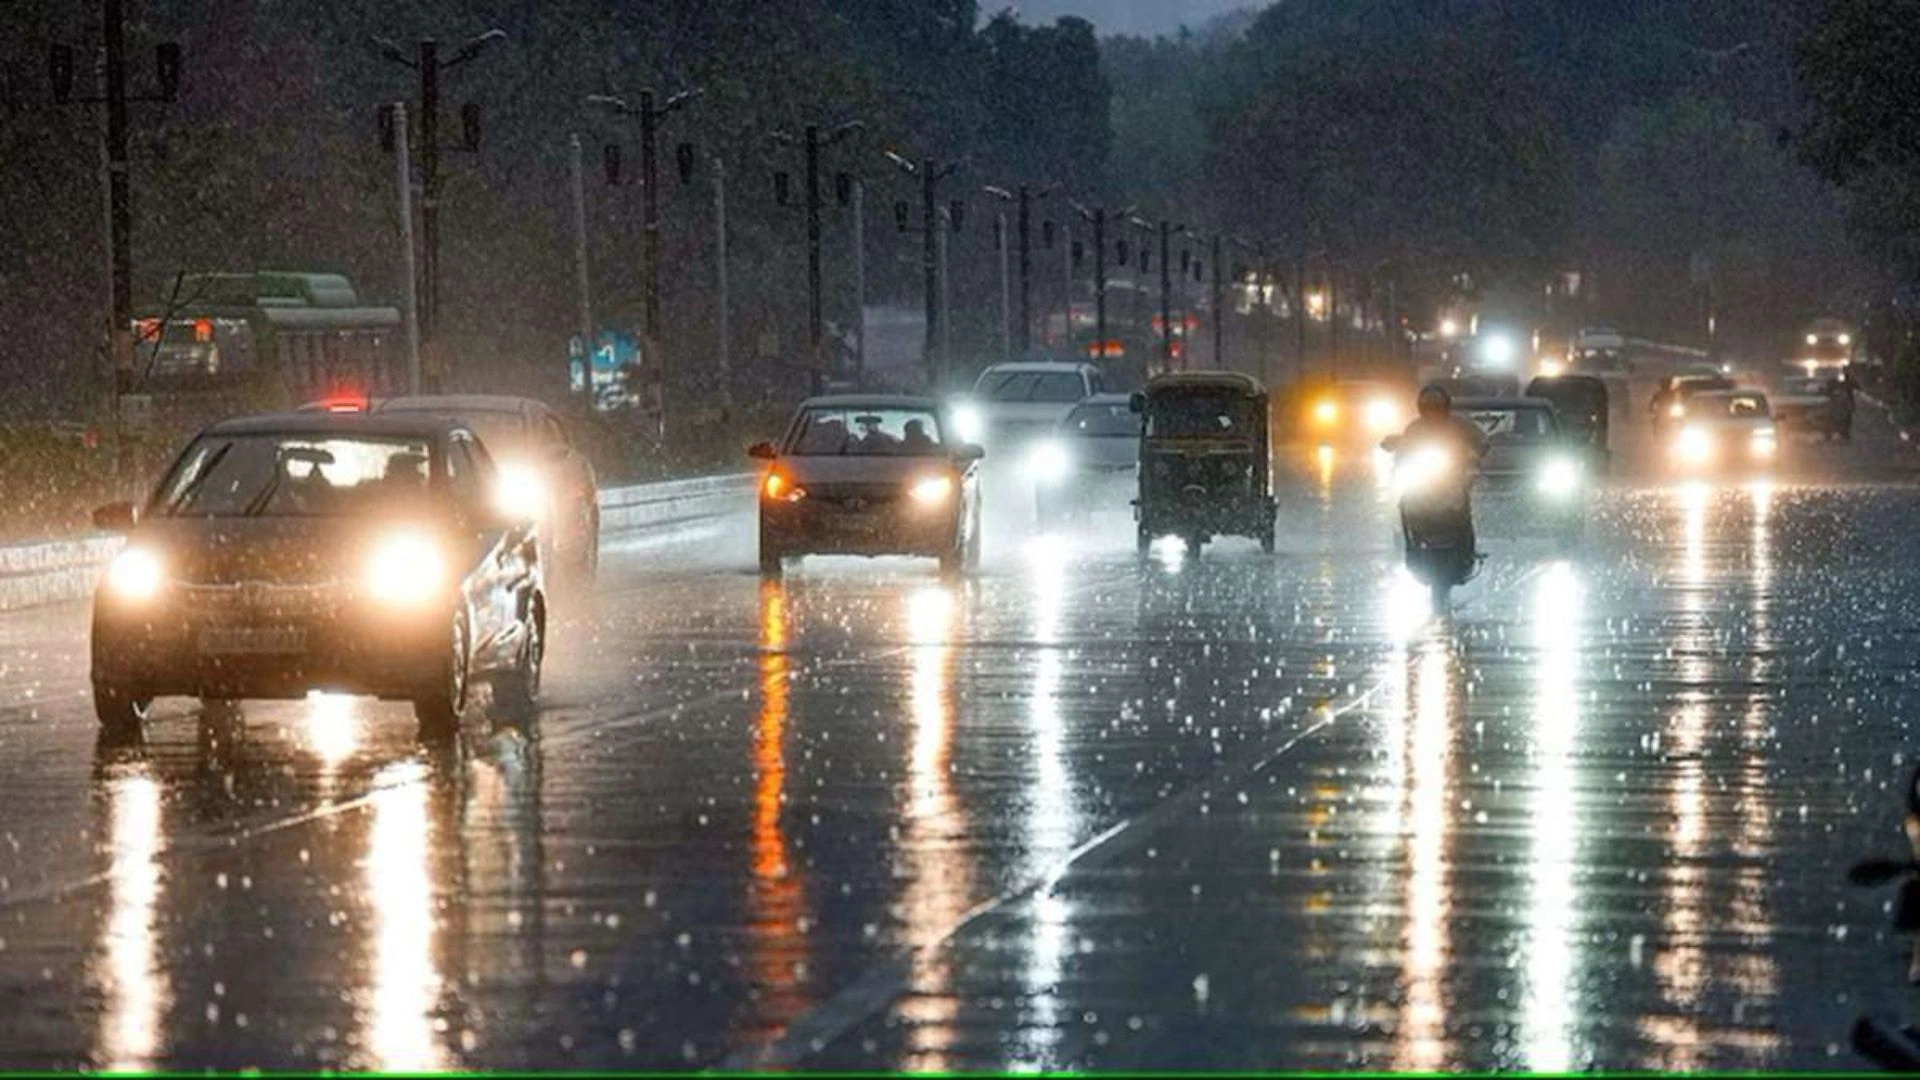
(1436, 425)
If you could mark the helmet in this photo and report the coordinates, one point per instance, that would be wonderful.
(1433, 402)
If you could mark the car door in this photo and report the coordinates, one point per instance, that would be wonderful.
(503, 564)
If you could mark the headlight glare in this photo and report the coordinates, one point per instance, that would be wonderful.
(1421, 469)
(1326, 412)
(968, 423)
(136, 574)
(932, 491)
(1049, 461)
(1693, 446)
(520, 492)
(1559, 477)
(405, 569)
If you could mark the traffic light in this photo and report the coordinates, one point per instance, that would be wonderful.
(166, 66)
(683, 158)
(470, 126)
(60, 69)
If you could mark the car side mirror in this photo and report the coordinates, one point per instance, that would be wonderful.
(762, 451)
(1136, 403)
(969, 452)
(115, 517)
(1391, 444)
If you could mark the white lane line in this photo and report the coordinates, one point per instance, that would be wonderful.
(884, 982)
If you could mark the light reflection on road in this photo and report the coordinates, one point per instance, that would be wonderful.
(1420, 1037)
(401, 1003)
(1549, 1005)
(135, 990)
(777, 939)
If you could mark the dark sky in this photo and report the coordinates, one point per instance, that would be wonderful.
(1125, 16)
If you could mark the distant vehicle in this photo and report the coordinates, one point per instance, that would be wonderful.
(1669, 405)
(1530, 455)
(1468, 385)
(870, 475)
(1802, 406)
(1355, 412)
(539, 465)
(1014, 405)
(296, 552)
(1825, 347)
(1584, 409)
(1598, 339)
(1090, 461)
(236, 343)
(1725, 430)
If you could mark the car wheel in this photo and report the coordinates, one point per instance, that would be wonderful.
(1266, 540)
(438, 709)
(1142, 540)
(121, 714)
(519, 690)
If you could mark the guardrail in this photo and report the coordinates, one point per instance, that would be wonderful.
(55, 571)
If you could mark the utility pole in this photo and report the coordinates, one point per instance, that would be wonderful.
(1300, 310)
(724, 343)
(933, 253)
(1006, 287)
(649, 115)
(403, 184)
(813, 142)
(859, 282)
(1715, 59)
(427, 64)
(116, 162)
(1167, 231)
(1333, 320)
(1066, 296)
(1097, 217)
(582, 278)
(1024, 196)
(1219, 309)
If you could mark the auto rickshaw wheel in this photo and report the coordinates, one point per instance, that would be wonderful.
(1193, 545)
(1266, 540)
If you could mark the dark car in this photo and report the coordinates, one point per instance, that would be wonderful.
(1582, 404)
(311, 551)
(1090, 461)
(538, 462)
(870, 475)
(1529, 454)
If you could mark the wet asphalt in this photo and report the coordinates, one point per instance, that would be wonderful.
(1081, 811)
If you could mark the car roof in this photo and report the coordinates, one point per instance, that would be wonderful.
(1226, 380)
(421, 425)
(458, 403)
(1019, 366)
(1104, 399)
(1501, 404)
(871, 401)
(1733, 393)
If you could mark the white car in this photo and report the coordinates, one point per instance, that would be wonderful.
(1016, 405)
(1725, 431)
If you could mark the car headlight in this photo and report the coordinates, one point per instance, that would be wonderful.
(778, 487)
(405, 569)
(1326, 412)
(1559, 477)
(1497, 351)
(1421, 469)
(1551, 368)
(1693, 446)
(1676, 410)
(1764, 443)
(969, 423)
(520, 491)
(136, 574)
(1381, 415)
(932, 491)
(1049, 461)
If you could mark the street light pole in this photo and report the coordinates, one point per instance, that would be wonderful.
(1006, 287)
(933, 255)
(859, 282)
(403, 183)
(1219, 309)
(581, 271)
(1097, 217)
(813, 143)
(724, 343)
(650, 116)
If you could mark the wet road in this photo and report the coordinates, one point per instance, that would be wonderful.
(1077, 812)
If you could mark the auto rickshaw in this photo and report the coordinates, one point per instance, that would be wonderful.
(1581, 401)
(1205, 464)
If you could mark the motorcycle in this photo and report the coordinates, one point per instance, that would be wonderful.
(1892, 1045)
(1436, 514)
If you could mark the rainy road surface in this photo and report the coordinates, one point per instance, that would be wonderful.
(1078, 812)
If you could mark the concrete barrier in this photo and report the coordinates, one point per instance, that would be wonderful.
(56, 571)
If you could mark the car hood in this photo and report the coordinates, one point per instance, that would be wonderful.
(1025, 412)
(1105, 452)
(282, 550)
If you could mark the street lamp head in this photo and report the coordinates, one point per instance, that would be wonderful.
(607, 101)
(906, 166)
(391, 49)
(681, 98)
(998, 192)
(474, 47)
(851, 127)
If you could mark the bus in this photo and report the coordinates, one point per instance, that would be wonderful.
(234, 343)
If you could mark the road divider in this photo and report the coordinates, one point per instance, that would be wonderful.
(58, 571)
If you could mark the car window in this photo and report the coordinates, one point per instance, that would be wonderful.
(552, 434)
(1104, 420)
(269, 475)
(464, 472)
(503, 430)
(1042, 386)
(1733, 406)
(1517, 424)
(850, 432)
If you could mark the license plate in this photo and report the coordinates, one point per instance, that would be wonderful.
(230, 641)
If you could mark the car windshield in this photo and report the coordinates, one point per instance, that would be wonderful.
(862, 432)
(1103, 420)
(1200, 414)
(1731, 406)
(1514, 424)
(292, 475)
(1046, 386)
